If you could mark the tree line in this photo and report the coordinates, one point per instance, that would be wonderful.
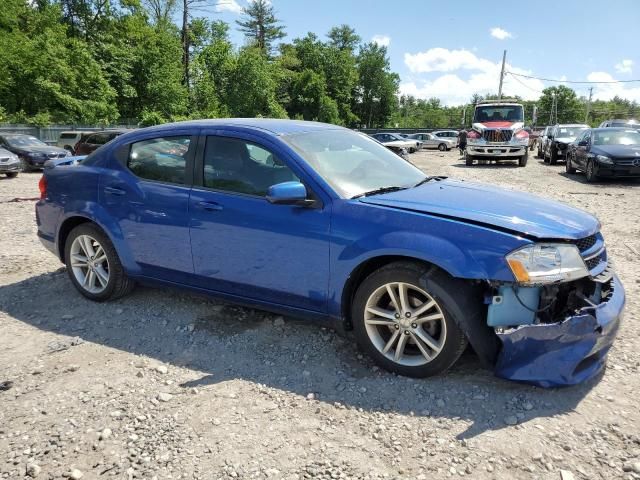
(103, 62)
(108, 61)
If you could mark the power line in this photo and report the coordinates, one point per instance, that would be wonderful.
(570, 81)
(525, 85)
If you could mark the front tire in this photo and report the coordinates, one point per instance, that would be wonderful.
(568, 166)
(590, 172)
(522, 161)
(442, 147)
(25, 165)
(468, 159)
(93, 264)
(404, 323)
(11, 174)
(553, 156)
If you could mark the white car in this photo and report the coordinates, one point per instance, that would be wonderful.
(395, 140)
(9, 163)
(430, 140)
(68, 140)
(447, 134)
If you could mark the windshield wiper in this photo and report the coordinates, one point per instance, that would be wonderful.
(379, 190)
(428, 179)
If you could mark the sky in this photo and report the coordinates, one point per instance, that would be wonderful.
(451, 49)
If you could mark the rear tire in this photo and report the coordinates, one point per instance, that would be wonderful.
(412, 333)
(11, 174)
(91, 258)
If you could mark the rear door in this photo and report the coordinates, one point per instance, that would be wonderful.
(242, 244)
(147, 194)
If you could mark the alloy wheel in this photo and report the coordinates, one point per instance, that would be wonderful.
(405, 324)
(89, 264)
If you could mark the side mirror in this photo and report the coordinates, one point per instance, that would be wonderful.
(288, 193)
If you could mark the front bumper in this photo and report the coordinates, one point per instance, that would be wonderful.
(496, 151)
(604, 170)
(564, 353)
(9, 167)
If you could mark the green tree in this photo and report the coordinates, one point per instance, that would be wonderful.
(260, 24)
(343, 37)
(569, 107)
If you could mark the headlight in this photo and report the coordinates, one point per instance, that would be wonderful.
(604, 159)
(546, 263)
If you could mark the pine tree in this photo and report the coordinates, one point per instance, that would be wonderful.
(261, 25)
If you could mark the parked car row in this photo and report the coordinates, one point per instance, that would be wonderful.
(442, 140)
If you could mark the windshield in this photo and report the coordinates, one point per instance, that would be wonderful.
(569, 131)
(499, 113)
(626, 125)
(352, 163)
(25, 141)
(616, 137)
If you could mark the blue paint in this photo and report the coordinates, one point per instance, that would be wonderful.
(507, 311)
(300, 258)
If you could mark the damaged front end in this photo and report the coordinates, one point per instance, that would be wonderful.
(558, 334)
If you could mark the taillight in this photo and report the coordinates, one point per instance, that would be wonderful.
(42, 185)
(522, 135)
(473, 135)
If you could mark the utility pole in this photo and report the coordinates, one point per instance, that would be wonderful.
(464, 117)
(586, 115)
(504, 59)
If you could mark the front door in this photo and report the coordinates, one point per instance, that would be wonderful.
(147, 195)
(245, 246)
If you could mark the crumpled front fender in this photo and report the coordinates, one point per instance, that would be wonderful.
(564, 353)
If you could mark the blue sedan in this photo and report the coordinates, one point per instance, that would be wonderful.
(317, 221)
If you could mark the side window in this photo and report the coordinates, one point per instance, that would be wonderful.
(160, 159)
(240, 166)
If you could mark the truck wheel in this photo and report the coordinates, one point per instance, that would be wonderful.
(401, 318)
(442, 147)
(93, 264)
(522, 161)
(590, 172)
(468, 159)
(568, 166)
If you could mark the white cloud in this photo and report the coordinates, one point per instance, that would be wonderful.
(606, 91)
(482, 77)
(500, 34)
(228, 6)
(381, 40)
(625, 66)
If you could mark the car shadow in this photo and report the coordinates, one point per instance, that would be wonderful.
(222, 342)
(603, 181)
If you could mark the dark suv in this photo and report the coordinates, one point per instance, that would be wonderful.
(91, 142)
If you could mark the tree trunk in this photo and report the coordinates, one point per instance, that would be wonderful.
(185, 43)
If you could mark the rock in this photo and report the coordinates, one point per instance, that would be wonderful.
(511, 420)
(105, 434)
(278, 322)
(631, 467)
(119, 311)
(75, 474)
(164, 397)
(528, 406)
(68, 316)
(440, 403)
(33, 470)
(566, 475)
(162, 369)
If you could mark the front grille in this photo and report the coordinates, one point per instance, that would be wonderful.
(627, 162)
(586, 243)
(497, 135)
(595, 261)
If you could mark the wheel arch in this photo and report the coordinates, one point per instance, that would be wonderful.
(65, 229)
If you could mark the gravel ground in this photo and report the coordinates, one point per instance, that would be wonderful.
(164, 384)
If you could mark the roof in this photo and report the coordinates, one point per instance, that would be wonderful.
(502, 100)
(614, 129)
(572, 125)
(271, 125)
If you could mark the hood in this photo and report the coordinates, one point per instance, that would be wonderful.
(516, 212)
(618, 151)
(41, 149)
(565, 139)
(499, 124)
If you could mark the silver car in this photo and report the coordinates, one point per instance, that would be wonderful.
(430, 140)
(9, 163)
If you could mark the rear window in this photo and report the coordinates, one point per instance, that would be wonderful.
(160, 159)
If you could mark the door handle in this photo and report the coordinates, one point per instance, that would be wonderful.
(114, 191)
(210, 206)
